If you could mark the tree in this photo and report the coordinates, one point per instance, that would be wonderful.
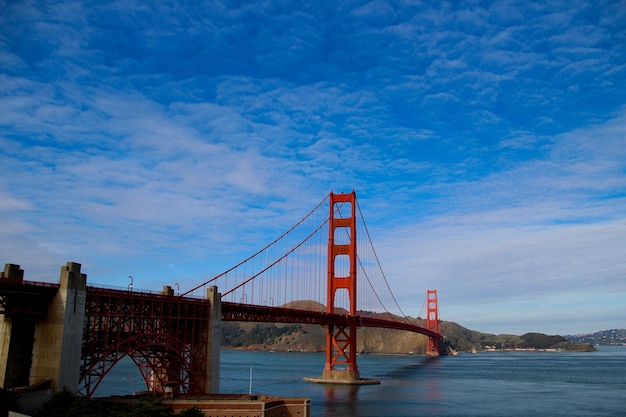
(191, 412)
(8, 402)
(67, 404)
(60, 404)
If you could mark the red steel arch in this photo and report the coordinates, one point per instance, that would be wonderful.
(166, 336)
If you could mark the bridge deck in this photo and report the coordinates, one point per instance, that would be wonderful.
(245, 312)
(20, 298)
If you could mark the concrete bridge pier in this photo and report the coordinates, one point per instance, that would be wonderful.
(16, 341)
(44, 326)
(46, 349)
(59, 337)
(215, 332)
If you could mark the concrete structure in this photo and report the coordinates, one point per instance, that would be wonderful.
(15, 341)
(59, 337)
(215, 336)
(229, 405)
(43, 345)
(235, 405)
(55, 336)
(341, 378)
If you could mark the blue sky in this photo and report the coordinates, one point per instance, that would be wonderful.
(486, 142)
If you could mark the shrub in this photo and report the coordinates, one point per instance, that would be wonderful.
(191, 412)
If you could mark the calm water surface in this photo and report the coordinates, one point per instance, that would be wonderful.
(484, 384)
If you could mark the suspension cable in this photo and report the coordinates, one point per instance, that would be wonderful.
(377, 260)
(278, 260)
(313, 233)
(258, 252)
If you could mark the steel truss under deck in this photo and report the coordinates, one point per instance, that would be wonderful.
(166, 336)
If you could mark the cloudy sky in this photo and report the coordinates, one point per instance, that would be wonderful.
(168, 140)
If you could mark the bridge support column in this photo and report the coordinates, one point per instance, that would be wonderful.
(16, 341)
(432, 322)
(340, 340)
(15, 351)
(341, 367)
(5, 344)
(58, 338)
(215, 331)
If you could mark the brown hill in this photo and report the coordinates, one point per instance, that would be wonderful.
(308, 305)
(312, 338)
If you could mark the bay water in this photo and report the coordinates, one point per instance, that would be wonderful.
(516, 383)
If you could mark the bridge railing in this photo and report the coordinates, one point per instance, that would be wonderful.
(27, 282)
(135, 290)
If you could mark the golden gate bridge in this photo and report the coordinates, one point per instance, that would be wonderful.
(324, 270)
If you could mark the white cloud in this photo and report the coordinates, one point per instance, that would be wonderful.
(135, 137)
(549, 228)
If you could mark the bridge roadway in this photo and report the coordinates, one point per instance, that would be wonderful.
(245, 312)
(141, 324)
(30, 298)
(39, 293)
(21, 298)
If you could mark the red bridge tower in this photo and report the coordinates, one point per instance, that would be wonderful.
(432, 322)
(341, 340)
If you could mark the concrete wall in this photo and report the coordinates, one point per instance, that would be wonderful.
(16, 341)
(55, 342)
(5, 342)
(58, 338)
(19, 356)
(215, 332)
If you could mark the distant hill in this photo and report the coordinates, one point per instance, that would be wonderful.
(462, 339)
(312, 338)
(612, 337)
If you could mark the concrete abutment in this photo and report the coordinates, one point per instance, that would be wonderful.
(46, 348)
(59, 337)
(42, 348)
(215, 332)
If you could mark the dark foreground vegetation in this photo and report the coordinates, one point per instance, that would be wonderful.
(8, 402)
(67, 404)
